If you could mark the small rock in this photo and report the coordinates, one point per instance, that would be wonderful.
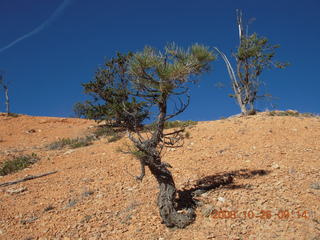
(275, 166)
(16, 191)
(71, 203)
(221, 199)
(69, 151)
(87, 193)
(31, 131)
(48, 208)
(100, 196)
(315, 185)
(292, 171)
(28, 220)
(86, 219)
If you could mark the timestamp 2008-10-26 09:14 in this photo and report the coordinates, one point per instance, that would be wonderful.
(261, 214)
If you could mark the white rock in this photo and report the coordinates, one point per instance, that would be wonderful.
(69, 151)
(16, 191)
(275, 166)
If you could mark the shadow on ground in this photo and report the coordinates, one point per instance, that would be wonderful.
(203, 185)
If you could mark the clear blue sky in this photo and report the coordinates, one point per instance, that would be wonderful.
(46, 69)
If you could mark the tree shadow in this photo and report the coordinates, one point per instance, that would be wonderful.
(186, 195)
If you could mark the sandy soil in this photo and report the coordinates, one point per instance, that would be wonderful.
(261, 172)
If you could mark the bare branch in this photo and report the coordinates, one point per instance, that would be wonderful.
(179, 110)
(27, 178)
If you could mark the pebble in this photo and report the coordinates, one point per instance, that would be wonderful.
(315, 185)
(275, 166)
(16, 191)
(292, 171)
(69, 151)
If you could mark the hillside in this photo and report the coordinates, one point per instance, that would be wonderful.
(266, 168)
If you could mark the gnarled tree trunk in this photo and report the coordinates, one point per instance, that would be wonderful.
(167, 198)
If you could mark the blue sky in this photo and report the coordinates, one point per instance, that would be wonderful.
(46, 69)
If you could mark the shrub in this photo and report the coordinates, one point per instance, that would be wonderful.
(291, 113)
(17, 163)
(106, 131)
(14, 115)
(114, 138)
(187, 135)
(69, 142)
(173, 124)
(284, 113)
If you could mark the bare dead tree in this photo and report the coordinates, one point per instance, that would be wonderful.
(6, 92)
(156, 78)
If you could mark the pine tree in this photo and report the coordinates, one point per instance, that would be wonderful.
(110, 94)
(158, 77)
(254, 54)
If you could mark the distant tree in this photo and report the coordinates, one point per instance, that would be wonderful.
(253, 55)
(109, 91)
(4, 84)
(156, 78)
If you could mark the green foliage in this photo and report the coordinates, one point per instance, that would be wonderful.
(132, 150)
(106, 131)
(173, 124)
(291, 113)
(284, 113)
(187, 135)
(114, 138)
(138, 154)
(160, 76)
(255, 54)
(14, 115)
(168, 70)
(17, 163)
(179, 124)
(157, 77)
(103, 131)
(112, 101)
(72, 143)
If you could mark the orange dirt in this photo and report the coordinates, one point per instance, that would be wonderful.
(269, 166)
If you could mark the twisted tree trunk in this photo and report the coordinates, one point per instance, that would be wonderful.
(167, 198)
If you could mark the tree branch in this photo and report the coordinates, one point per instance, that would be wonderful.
(27, 179)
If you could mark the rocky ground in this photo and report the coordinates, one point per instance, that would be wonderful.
(261, 176)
